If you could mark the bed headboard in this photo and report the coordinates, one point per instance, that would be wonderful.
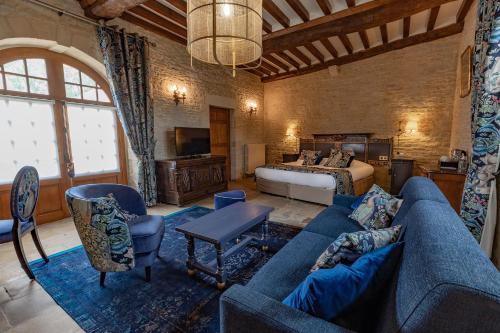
(366, 149)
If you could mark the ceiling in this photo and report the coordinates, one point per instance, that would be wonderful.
(303, 36)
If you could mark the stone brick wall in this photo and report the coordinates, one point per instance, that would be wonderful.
(461, 126)
(371, 96)
(170, 64)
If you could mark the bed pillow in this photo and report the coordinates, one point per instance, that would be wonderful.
(340, 158)
(376, 209)
(310, 157)
(350, 246)
(328, 293)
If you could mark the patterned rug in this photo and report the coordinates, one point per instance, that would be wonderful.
(172, 302)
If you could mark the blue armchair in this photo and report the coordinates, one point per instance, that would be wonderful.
(119, 237)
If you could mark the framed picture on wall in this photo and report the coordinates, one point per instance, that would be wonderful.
(465, 72)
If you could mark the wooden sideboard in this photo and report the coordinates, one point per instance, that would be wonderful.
(188, 179)
(450, 182)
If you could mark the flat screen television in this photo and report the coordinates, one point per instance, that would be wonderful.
(192, 141)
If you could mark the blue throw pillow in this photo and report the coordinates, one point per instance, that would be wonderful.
(327, 293)
(358, 202)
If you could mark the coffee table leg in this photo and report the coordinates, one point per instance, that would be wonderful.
(191, 258)
(220, 274)
(265, 235)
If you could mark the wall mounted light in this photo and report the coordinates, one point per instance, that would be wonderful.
(411, 128)
(252, 107)
(179, 94)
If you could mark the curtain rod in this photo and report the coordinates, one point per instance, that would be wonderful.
(99, 23)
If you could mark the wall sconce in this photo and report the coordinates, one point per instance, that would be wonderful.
(411, 128)
(179, 94)
(252, 107)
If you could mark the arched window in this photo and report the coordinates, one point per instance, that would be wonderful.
(56, 114)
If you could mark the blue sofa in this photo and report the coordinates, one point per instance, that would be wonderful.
(443, 282)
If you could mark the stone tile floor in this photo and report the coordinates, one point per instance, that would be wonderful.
(26, 307)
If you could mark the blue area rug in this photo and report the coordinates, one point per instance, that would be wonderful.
(172, 302)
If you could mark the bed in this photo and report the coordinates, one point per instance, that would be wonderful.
(316, 183)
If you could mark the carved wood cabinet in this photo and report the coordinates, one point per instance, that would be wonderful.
(184, 180)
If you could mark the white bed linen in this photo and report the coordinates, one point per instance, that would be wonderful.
(358, 169)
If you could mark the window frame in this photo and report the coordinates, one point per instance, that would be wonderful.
(57, 93)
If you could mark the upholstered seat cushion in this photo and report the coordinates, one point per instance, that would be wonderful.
(6, 229)
(290, 266)
(333, 221)
(147, 232)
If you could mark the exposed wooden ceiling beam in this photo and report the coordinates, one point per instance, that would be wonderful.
(270, 67)
(365, 16)
(432, 18)
(153, 28)
(166, 12)
(315, 52)
(350, 3)
(299, 8)
(346, 42)
(166, 24)
(326, 43)
(406, 26)
(254, 72)
(296, 52)
(325, 6)
(374, 51)
(259, 69)
(464, 9)
(107, 9)
(383, 33)
(276, 12)
(265, 71)
(288, 59)
(364, 39)
(266, 26)
(179, 4)
(277, 62)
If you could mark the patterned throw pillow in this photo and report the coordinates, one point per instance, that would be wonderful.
(350, 246)
(377, 209)
(309, 156)
(340, 158)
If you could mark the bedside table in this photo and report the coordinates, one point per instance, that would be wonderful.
(290, 157)
(450, 182)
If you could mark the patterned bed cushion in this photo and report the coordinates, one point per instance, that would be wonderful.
(340, 158)
(376, 209)
(350, 246)
(310, 157)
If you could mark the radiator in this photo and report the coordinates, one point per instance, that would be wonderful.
(255, 156)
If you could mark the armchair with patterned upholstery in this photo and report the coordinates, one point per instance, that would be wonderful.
(115, 230)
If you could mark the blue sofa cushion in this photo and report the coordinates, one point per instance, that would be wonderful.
(358, 202)
(327, 293)
(350, 246)
(333, 221)
(147, 232)
(290, 266)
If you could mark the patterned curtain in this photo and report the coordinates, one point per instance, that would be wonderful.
(485, 116)
(126, 61)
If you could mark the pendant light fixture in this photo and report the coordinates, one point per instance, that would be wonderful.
(225, 32)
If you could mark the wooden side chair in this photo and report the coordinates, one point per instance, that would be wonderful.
(23, 200)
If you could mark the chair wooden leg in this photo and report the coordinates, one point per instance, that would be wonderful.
(148, 274)
(18, 245)
(102, 278)
(36, 240)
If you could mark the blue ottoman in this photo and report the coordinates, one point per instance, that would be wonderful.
(224, 199)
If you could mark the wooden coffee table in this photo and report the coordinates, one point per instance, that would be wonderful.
(220, 227)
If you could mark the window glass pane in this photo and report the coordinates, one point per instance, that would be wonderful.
(16, 66)
(89, 94)
(73, 91)
(28, 138)
(93, 139)
(71, 74)
(16, 83)
(36, 67)
(38, 86)
(1, 80)
(86, 80)
(103, 97)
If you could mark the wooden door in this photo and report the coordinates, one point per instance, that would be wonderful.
(220, 135)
